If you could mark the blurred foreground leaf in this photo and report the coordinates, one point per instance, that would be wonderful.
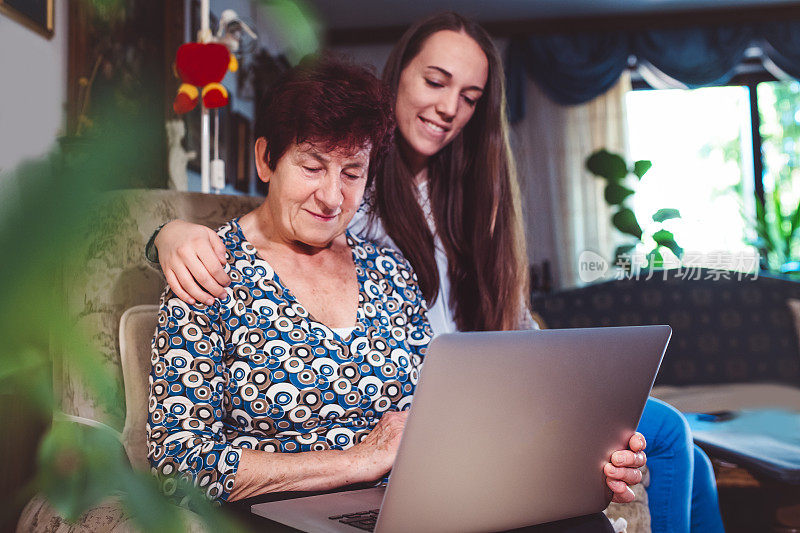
(667, 239)
(46, 210)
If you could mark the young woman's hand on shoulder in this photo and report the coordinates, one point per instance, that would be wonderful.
(192, 259)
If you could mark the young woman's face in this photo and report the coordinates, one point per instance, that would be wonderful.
(438, 91)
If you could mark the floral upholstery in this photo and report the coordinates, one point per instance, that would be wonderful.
(113, 275)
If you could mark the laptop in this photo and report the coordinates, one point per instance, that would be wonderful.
(507, 429)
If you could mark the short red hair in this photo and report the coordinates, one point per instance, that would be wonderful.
(328, 102)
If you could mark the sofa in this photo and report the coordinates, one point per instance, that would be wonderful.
(735, 336)
(113, 295)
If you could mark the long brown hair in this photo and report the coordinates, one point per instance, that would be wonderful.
(474, 198)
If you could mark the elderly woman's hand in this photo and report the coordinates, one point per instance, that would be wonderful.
(192, 259)
(375, 455)
(623, 470)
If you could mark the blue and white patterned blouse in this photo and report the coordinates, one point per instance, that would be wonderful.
(255, 370)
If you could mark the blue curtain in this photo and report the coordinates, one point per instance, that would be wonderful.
(573, 69)
(695, 57)
(781, 43)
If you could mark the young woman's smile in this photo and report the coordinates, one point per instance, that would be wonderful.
(438, 91)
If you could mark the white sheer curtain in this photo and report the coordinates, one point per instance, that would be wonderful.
(565, 212)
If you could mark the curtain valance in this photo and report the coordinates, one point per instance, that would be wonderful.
(575, 68)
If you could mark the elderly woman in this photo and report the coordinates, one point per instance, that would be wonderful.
(296, 378)
(318, 335)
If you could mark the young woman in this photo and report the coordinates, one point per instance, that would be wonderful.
(447, 197)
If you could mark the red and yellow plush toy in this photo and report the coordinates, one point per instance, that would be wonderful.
(202, 65)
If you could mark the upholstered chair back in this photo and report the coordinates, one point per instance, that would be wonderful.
(111, 275)
(136, 329)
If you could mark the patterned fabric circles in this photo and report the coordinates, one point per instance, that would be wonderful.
(255, 370)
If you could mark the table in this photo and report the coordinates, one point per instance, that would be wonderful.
(765, 442)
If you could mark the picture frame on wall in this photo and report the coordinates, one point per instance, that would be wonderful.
(37, 15)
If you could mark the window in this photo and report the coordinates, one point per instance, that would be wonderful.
(779, 117)
(728, 158)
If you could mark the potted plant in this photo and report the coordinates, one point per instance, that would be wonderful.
(616, 171)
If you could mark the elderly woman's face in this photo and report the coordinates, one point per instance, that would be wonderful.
(313, 194)
(438, 91)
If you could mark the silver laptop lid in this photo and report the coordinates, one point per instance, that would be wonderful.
(513, 428)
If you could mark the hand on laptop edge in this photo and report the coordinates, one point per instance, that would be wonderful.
(378, 450)
(623, 470)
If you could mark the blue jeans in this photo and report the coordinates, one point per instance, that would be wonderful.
(683, 492)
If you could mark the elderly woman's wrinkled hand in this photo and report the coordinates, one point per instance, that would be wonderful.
(377, 452)
(623, 470)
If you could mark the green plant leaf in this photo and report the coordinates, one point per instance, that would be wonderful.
(607, 165)
(663, 236)
(795, 223)
(641, 167)
(781, 222)
(655, 259)
(615, 194)
(625, 221)
(79, 466)
(667, 240)
(150, 510)
(666, 214)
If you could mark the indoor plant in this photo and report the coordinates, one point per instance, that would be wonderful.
(616, 171)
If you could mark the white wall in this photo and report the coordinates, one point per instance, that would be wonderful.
(33, 91)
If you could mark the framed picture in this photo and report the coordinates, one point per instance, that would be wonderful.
(35, 14)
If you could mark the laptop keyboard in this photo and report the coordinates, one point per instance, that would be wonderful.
(362, 520)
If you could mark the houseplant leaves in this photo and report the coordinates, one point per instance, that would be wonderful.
(615, 194)
(666, 214)
(641, 167)
(606, 165)
(625, 221)
(667, 240)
